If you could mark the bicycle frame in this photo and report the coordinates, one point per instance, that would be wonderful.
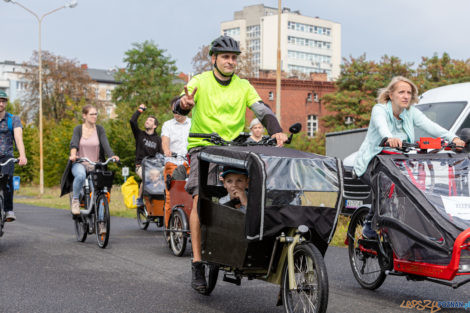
(90, 199)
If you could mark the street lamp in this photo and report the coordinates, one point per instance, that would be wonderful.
(70, 4)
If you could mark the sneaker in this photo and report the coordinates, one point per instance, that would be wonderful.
(75, 207)
(10, 216)
(367, 231)
(198, 281)
(139, 202)
(102, 228)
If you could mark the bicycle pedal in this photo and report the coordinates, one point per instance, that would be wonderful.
(233, 280)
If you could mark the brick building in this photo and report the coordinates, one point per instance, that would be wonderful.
(300, 100)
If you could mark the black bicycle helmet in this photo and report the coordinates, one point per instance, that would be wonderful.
(224, 44)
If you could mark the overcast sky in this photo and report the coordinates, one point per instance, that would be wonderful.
(98, 32)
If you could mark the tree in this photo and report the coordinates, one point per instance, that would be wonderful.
(64, 84)
(245, 66)
(358, 86)
(202, 61)
(149, 78)
(434, 72)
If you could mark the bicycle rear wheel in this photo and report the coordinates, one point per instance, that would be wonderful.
(365, 262)
(81, 228)
(102, 221)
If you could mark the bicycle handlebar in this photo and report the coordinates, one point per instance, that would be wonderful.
(424, 144)
(14, 160)
(96, 163)
(201, 135)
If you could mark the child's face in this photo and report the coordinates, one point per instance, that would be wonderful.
(154, 175)
(235, 183)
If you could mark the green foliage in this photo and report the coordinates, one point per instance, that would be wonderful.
(361, 80)
(149, 78)
(435, 72)
(302, 142)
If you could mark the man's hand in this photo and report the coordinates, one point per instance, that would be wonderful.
(22, 160)
(142, 107)
(116, 158)
(187, 101)
(280, 139)
(167, 153)
(73, 158)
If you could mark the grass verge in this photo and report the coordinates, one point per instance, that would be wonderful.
(51, 199)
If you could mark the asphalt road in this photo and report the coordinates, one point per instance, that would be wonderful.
(43, 269)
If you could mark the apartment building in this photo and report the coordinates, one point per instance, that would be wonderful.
(13, 83)
(308, 44)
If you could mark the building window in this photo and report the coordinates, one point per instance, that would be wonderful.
(309, 28)
(232, 32)
(315, 97)
(109, 110)
(298, 41)
(309, 97)
(312, 125)
(271, 95)
(108, 94)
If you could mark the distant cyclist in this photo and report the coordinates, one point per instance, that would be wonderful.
(174, 142)
(147, 142)
(88, 141)
(256, 131)
(220, 99)
(11, 131)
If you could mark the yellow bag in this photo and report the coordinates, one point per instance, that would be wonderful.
(130, 192)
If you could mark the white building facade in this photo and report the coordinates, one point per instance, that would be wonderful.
(13, 83)
(308, 44)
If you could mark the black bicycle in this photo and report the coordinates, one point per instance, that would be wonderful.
(3, 183)
(94, 199)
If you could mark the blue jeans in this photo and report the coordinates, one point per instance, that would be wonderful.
(79, 174)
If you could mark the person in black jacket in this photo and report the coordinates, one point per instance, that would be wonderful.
(147, 143)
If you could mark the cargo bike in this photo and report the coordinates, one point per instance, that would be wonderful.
(294, 199)
(422, 218)
(175, 226)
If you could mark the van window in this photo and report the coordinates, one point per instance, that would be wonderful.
(442, 113)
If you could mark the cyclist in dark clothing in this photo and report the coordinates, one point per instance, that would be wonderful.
(147, 143)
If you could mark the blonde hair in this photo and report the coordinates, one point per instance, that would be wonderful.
(384, 93)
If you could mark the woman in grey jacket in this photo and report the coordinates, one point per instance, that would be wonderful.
(88, 141)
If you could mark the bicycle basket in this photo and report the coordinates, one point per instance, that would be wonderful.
(102, 179)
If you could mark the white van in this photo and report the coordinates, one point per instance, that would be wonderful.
(448, 106)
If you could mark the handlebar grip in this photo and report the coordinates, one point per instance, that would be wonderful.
(200, 135)
(384, 143)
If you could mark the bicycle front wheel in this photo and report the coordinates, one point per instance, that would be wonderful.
(81, 228)
(365, 262)
(142, 219)
(311, 292)
(102, 221)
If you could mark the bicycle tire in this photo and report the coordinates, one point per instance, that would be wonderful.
(211, 271)
(2, 214)
(81, 228)
(311, 294)
(177, 239)
(366, 267)
(102, 203)
(142, 220)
